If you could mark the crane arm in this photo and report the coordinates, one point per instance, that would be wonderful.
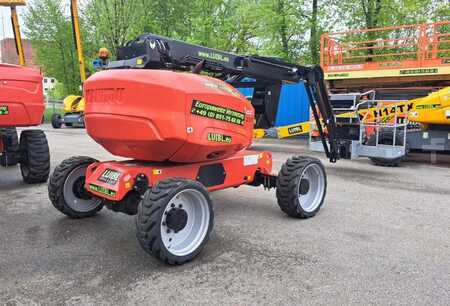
(77, 38)
(15, 26)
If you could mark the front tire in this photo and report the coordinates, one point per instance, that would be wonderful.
(66, 189)
(174, 220)
(301, 187)
(34, 157)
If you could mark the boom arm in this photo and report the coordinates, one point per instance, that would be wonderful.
(265, 75)
(77, 38)
(15, 26)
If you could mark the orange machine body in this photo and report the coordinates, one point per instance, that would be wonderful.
(21, 96)
(158, 115)
(237, 170)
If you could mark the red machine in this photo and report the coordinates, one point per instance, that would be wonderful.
(187, 135)
(22, 105)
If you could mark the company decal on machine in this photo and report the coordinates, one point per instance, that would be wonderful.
(214, 56)
(103, 190)
(400, 109)
(215, 137)
(207, 110)
(338, 75)
(293, 130)
(428, 106)
(419, 71)
(4, 110)
(109, 177)
(250, 160)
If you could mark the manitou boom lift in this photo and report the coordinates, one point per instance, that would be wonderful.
(188, 134)
(265, 75)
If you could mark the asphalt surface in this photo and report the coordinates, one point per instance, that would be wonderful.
(382, 237)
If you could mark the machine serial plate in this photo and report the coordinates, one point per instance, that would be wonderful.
(110, 177)
(4, 110)
(103, 190)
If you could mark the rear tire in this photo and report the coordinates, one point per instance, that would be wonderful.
(34, 157)
(174, 220)
(66, 189)
(56, 121)
(10, 156)
(301, 187)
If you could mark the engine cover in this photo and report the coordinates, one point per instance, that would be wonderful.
(21, 96)
(159, 115)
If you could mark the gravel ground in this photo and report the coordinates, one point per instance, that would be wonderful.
(382, 237)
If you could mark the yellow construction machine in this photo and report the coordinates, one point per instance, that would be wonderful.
(73, 105)
(386, 130)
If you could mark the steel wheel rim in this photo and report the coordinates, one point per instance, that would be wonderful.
(314, 174)
(76, 203)
(187, 240)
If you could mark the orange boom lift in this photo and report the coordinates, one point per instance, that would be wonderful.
(21, 105)
(186, 135)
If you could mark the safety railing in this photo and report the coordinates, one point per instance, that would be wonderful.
(408, 46)
(383, 117)
(381, 127)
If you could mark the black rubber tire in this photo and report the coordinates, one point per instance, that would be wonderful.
(56, 121)
(287, 186)
(56, 187)
(10, 139)
(82, 123)
(34, 156)
(150, 214)
(386, 137)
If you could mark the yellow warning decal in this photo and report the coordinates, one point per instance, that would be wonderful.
(293, 130)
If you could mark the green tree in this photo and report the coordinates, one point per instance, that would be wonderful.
(50, 32)
(283, 28)
(110, 22)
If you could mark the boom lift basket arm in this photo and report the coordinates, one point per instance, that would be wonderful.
(264, 74)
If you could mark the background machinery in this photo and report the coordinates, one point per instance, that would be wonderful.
(406, 69)
(187, 134)
(73, 105)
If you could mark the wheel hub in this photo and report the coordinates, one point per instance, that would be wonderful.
(304, 186)
(176, 219)
(78, 189)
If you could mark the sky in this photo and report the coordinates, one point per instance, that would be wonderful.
(5, 17)
(5, 21)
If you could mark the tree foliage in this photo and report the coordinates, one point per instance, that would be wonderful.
(51, 35)
(289, 29)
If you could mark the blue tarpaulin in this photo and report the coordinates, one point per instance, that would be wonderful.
(293, 106)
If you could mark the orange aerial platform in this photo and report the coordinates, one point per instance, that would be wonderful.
(390, 57)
